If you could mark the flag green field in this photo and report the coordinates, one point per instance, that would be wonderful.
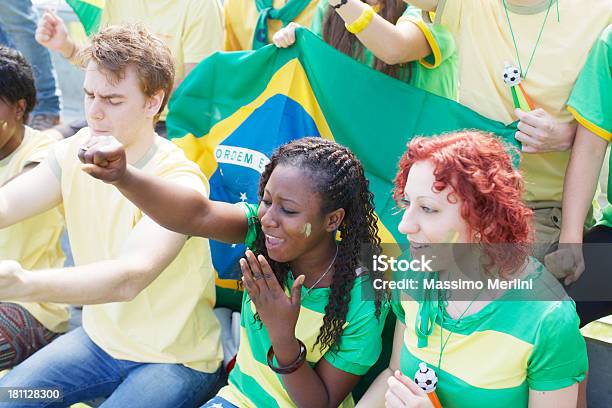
(89, 13)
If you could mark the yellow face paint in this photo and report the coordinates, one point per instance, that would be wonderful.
(307, 229)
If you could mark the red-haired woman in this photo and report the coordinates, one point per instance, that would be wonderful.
(488, 347)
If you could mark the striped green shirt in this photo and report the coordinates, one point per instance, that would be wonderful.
(494, 356)
(253, 384)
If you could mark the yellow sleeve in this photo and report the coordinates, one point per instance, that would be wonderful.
(39, 147)
(439, 38)
(203, 31)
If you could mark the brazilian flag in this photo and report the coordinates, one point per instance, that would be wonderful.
(235, 108)
(89, 12)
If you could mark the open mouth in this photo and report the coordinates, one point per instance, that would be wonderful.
(272, 241)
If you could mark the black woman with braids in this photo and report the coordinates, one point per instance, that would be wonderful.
(307, 333)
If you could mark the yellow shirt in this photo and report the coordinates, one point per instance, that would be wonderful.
(241, 19)
(485, 44)
(170, 321)
(192, 29)
(35, 242)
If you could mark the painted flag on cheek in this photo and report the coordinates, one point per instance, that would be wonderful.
(235, 108)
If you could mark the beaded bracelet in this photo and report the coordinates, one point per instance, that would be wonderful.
(291, 367)
(362, 21)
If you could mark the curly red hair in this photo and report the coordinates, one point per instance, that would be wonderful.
(479, 170)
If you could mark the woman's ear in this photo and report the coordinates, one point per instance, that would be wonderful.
(334, 219)
(20, 109)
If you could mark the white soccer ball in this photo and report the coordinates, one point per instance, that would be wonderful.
(512, 75)
(426, 378)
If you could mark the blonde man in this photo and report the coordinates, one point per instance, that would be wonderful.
(149, 335)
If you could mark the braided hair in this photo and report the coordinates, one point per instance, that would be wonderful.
(338, 177)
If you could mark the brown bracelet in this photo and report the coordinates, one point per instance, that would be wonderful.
(291, 367)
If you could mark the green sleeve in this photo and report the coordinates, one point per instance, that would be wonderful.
(438, 36)
(253, 228)
(360, 344)
(591, 100)
(559, 357)
(396, 306)
(316, 26)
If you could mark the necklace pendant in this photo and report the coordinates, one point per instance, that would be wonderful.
(511, 75)
(426, 378)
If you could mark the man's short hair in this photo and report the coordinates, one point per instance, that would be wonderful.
(115, 48)
(16, 80)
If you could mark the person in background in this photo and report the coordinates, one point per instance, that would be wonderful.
(17, 29)
(192, 29)
(513, 67)
(35, 242)
(590, 103)
(251, 24)
(429, 57)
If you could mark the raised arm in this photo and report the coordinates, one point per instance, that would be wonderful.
(29, 194)
(175, 207)
(393, 43)
(53, 34)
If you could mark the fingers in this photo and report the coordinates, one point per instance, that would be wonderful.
(46, 27)
(100, 150)
(530, 130)
(409, 383)
(268, 275)
(578, 265)
(397, 393)
(296, 291)
(256, 271)
(392, 400)
(560, 263)
(530, 144)
(286, 36)
(536, 118)
(247, 280)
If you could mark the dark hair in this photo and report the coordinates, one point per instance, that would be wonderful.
(16, 80)
(338, 177)
(336, 35)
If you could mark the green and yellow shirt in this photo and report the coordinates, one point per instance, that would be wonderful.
(591, 100)
(253, 384)
(494, 356)
(437, 73)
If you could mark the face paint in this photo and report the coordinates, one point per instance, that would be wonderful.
(307, 229)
